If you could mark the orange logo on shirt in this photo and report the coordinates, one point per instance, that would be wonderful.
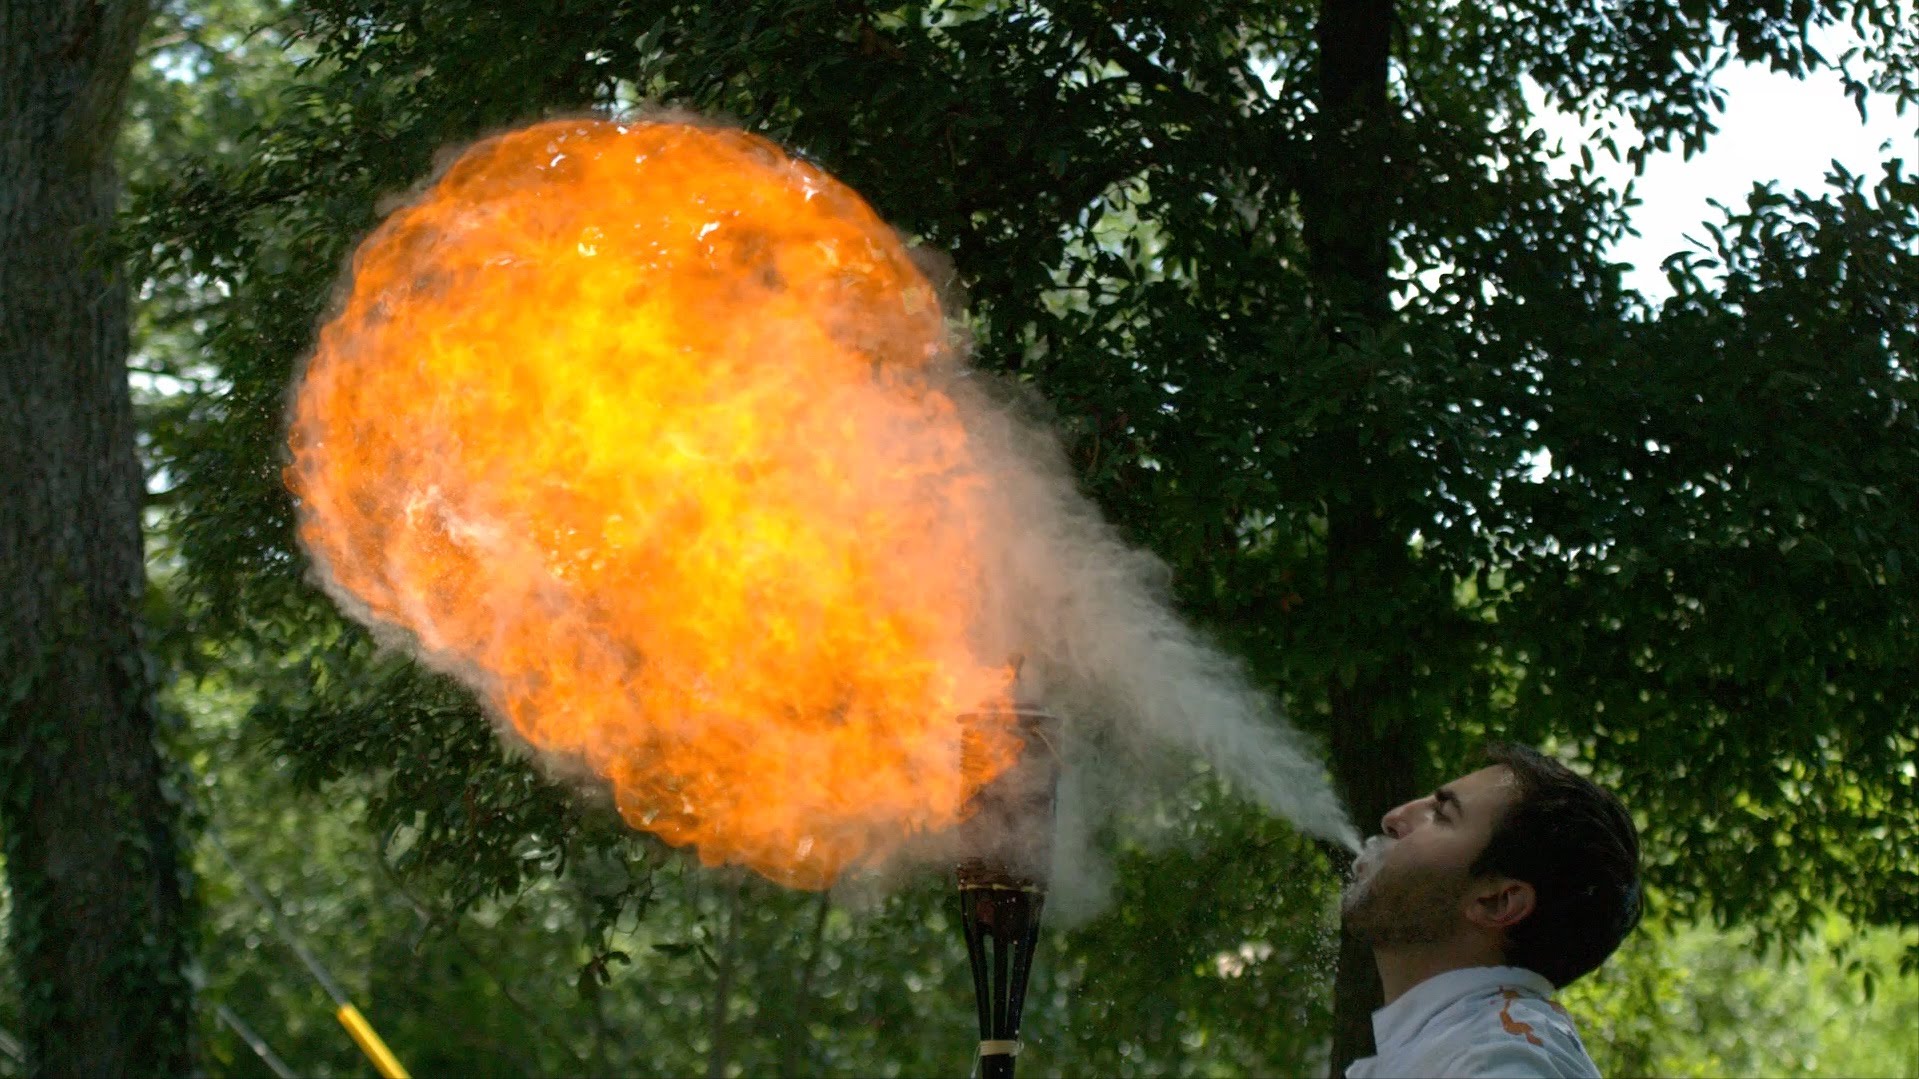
(1514, 1026)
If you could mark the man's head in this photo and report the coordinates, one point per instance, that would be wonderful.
(1523, 855)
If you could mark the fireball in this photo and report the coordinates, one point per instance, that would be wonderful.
(638, 429)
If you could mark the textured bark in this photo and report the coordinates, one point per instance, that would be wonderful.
(1348, 210)
(1376, 770)
(795, 1039)
(89, 821)
(719, 1047)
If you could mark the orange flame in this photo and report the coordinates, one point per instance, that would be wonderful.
(637, 429)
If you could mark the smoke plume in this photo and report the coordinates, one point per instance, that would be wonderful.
(1141, 692)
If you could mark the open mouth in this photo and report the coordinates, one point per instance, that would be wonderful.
(1370, 857)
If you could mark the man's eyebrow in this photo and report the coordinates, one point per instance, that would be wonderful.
(1445, 797)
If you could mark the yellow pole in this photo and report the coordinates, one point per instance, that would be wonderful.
(369, 1041)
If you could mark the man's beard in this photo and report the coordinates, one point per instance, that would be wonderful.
(1396, 906)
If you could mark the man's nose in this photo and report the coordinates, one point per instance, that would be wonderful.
(1394, 822)
(1400, 819)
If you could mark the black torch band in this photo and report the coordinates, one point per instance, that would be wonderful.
(1006, 854)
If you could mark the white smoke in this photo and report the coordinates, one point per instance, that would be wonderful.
(1140, 691)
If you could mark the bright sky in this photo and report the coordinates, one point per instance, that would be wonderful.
(1775, 127)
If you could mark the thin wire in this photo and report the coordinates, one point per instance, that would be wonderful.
(239, 1026)
(254, 1042)
(280, 923)
(11, 1046)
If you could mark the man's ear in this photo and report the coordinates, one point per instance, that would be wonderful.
(1501, 904)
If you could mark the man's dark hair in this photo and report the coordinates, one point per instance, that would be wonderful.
(1576, 845)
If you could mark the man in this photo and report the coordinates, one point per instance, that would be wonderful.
(1479, 901)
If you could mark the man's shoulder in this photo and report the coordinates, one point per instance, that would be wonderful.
(1512, 1032)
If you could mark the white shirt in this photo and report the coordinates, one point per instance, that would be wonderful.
(1493, 1022)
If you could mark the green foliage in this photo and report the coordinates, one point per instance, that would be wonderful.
(1694, 1001)
(448, 997)
(1733, 506)
(209, 75)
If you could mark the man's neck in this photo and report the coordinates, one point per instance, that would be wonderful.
(1402, 968)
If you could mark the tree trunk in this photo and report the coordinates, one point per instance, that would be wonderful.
(1348, 221)
(88, 816)
(1376, 770)
(1348, 210)
(720, 1047)
(796, 1038)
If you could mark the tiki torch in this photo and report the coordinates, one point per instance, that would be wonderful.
(1006, 852)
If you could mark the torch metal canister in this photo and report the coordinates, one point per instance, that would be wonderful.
(1006, 854)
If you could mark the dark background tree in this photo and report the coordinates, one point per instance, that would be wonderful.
(1347, 203)
(89, 815)
(1314, 303)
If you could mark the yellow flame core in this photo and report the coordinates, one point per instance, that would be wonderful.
(633, 426)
